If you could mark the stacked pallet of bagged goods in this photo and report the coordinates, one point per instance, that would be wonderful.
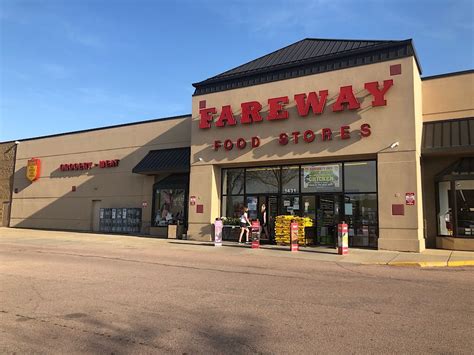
(282, 228)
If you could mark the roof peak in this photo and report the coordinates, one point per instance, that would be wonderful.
(350, 40)
(309, 51)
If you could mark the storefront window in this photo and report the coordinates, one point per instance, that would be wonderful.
(465, 208)
(169, 207)
(232, 206)
(233, 181)
(360, 176)
(290, 205)
(455, 207)
(321, 178)
(445, 217)
(290, 179)
(360, 211)
(310, 190)
(262, 180)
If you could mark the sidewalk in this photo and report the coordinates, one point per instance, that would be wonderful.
(72, 240)
(428, 258)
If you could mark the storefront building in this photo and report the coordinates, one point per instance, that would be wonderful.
(334, 130)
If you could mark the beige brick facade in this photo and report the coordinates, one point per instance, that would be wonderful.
(7, 162)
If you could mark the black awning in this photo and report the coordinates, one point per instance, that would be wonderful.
(164, 161)
(455, 135)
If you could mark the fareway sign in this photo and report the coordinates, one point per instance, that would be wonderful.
(305, 103)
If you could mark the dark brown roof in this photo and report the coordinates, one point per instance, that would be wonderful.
(305, 57)
(448, 135)
(175, 160)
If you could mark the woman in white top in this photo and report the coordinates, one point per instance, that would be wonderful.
(244, 224)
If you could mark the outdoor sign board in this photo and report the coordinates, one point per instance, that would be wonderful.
(33, 169)
(321, 177)
(342, 239)
(294, 246)
(307, 104)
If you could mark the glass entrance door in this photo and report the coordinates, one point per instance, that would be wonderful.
(271, 202)
(272, 212)
(328, 215)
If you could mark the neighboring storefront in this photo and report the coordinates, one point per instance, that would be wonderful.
(111, 180)
(332, 130)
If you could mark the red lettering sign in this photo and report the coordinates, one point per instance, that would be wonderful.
(346, 96)
(276, 110)
(303, 103)
(379, 95)
(206, 117)
(226, 117)
(89, 165)
(313, 101)
(251, 112)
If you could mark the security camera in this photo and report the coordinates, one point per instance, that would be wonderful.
(17, 142)
(394, 145)
(200, 159)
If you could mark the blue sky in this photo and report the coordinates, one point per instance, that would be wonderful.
(71, 65)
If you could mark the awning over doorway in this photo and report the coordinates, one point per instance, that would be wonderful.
(164, 161)
(447, 136)
(463, 169)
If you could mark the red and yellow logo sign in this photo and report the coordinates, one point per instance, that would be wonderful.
(33, 169)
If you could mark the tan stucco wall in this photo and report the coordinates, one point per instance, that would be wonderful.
(448, 97)
(7, 161)
(395, 122)
(50, 202)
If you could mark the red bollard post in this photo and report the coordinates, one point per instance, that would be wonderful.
(342, 239)
(255, 234)
(294, 246)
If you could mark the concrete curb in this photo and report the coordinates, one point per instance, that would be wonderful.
(457, 263)
(461, 263)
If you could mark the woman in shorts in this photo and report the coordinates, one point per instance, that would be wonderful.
(244, 225)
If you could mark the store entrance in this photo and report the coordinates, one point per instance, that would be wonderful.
(325, 211)
(254, 204)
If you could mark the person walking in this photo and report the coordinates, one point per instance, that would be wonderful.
(263, 221)
(244, 225)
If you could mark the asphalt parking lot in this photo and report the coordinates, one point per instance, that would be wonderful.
(84, 293)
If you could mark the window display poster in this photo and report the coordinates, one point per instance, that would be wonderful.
(252, 203)
(348, 209)
(296, 203)
(321, 176)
